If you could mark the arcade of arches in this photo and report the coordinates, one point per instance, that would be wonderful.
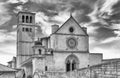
(27, 19)
(72, 63)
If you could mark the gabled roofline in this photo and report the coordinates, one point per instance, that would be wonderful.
(61, 25)
(79, 25)
(12, 69)
(67, 21)
(28, 61)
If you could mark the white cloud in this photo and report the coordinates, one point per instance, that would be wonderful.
(62, 17)
(13, 1)
(108, 53)
(92, 30)
(108, 5)
(45, 1)
(111, 39)
(7, 50)
(5, 58)
(41, 19)
(93, 14)
(117, 32)
(116, 28)
(102, 11)
(18, 8)
(7, 36)
(4, 16)
(17, 1)
(3, 9)
(92, 40)
(111, 49)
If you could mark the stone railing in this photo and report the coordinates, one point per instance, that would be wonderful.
(104, 70)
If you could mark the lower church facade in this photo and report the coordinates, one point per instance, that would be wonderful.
(64, 51)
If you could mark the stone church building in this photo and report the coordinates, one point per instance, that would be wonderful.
(65, 50)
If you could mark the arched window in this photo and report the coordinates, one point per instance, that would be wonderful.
(23, 18)
(68, 66)
(71, 63)
(46, 68)
(71, 29)
(52, 52)
(23, 75)
(27, 29)
(27, 19)
(30, 29)
(40, 51)
(30, 19)
(23, 29)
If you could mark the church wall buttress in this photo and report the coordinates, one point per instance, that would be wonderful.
(38, 65)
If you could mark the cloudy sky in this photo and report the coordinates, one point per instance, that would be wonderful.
(101, 17)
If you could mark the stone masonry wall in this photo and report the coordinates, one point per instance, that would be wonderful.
(104, 70)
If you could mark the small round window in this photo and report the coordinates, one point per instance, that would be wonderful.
(71, 29)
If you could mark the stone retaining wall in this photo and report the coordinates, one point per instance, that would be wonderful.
(104, 70)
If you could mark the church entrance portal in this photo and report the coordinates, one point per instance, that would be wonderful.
(71, 63)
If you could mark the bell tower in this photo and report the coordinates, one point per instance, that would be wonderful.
(25, 36)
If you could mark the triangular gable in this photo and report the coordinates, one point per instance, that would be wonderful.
(4, 68)
(64, 29)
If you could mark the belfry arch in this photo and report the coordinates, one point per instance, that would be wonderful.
(71, 63)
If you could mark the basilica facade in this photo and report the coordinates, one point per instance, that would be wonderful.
(65, 49)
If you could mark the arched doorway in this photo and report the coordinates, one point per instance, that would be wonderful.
(71, 63)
